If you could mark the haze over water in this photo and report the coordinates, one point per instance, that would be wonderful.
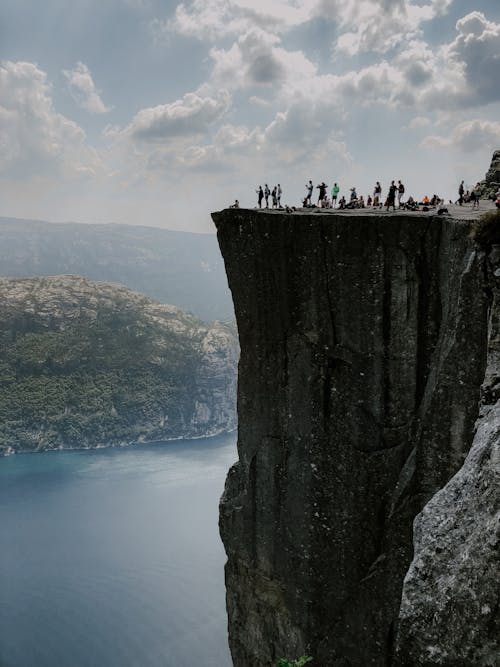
(112, 557)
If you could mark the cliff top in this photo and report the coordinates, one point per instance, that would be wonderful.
(464, 213)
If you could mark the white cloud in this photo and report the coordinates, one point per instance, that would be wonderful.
(469, 136)
(478, 47)
(193, 114)
(34, 139)
(216, 19)
(257, 59)
(83, 90)
(419, 122)
(378, 25)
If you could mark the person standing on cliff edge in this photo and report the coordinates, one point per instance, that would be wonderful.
(335, 194)
(391, 197)
(260, 195)
(310, 188)
(267, 192)
(461, 191)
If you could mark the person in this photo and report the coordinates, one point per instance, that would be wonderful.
(335, 193)
(411, 204)
(401, 191)
(274, 195)
(377, 194)
(476, 196)
(461, 191)
(322, 191)
(391, 197)
(369, 200)
(310, 188)
(236, 204)
(279, 193)
(426, 201)
(353, 199)
(342, 202)
(267, 192)
(260, 195)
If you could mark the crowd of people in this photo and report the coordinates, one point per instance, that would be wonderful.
(394, 197)
(265, 193)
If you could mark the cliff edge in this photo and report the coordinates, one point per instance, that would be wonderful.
(364, 341)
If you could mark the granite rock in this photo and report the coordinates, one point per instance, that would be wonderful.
(363, 349)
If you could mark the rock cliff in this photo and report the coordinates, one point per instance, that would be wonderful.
(491, 183)
(86, 364)
(363, 349)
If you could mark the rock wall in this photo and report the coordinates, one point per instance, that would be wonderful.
(363, 349)
(491, 183)
(450, 605)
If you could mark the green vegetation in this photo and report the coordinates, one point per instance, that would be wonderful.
(300, 662)
(100, 365)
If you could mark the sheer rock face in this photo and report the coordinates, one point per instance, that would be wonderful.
(363, 348)
(491, 183)
(450, 605)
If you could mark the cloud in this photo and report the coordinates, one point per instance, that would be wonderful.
(83, 91)
(257, 59)
(469, 137)
(216, 19)
(35, 139)
(193, 114)
(477, 45)
(379, 25)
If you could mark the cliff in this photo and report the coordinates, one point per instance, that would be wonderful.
(364, 342)
(86, 364)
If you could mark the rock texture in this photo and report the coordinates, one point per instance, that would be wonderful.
(491, 183)
(86, 364)
(363, 349)
(450, 605)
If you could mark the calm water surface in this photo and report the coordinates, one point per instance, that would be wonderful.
(112, 557)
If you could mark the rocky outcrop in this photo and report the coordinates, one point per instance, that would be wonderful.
(87, 364)
(491, 183)
(450, 605)
(363, 349)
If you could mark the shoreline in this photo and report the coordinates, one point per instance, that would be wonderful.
(137, 443)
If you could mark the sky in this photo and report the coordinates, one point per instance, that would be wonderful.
(155, 112)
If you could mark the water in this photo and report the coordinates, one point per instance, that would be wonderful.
(112, 557)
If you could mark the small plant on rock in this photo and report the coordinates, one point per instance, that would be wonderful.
(300, 662)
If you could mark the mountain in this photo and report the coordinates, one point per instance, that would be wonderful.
(172, 267)
(84, 364)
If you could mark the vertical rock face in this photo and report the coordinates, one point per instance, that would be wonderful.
(363, 348)
(450, 605)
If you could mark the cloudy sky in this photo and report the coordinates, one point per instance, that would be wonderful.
(156, 112)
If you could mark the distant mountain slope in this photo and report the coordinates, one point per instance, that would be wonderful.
(84, 364)
(173, 267)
